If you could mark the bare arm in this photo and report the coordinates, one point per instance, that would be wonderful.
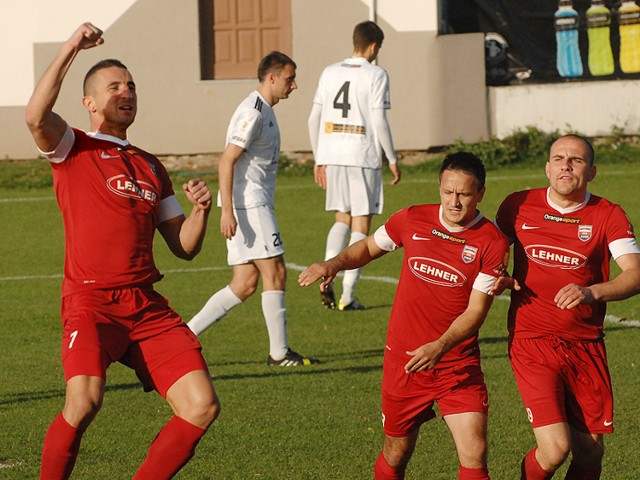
(47, 127)
(357, 255)
(623, 286)
(230, 156)
(465, 326)
(184, 236)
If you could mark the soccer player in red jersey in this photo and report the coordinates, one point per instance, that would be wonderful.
(113, 196)
(564, 239)
(453, 256)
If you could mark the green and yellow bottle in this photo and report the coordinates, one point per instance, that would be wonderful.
(599, 33)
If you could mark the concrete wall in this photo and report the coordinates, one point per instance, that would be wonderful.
(437, 83)
(592, 108)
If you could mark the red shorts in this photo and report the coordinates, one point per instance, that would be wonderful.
(563, 381)
(407, 399)
(134, 326)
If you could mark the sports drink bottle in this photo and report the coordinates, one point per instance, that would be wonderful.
(599, 32)
(629, 15)
(568, 61)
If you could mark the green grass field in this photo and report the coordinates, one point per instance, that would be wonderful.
(321, 422)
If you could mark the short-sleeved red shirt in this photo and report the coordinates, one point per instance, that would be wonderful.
(439, 268)
(553, 248)
(109, 196)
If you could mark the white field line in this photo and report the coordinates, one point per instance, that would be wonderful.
(430, 179)
(292, 266)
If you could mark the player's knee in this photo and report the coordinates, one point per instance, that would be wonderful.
(245, 289)
(201, 409)
(80, 410)
(397, 454)
(474, 454)
(552, 456)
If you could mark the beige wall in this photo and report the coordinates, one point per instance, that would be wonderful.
(437, 83)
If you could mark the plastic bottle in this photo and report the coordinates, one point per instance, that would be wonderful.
(629, 14)
(599, 32)
(568, 60)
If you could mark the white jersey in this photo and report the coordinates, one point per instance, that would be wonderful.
(253, 127)
(348, 92)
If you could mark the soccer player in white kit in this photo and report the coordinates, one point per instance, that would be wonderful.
(349, 130)
(248, 168)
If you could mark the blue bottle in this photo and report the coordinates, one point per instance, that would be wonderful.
(568, 61)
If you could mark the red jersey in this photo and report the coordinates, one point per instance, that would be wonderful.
(440, 267)
(554, 247)
(109, 196)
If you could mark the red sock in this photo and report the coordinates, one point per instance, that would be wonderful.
(172, 448)
(60, 449)
(383, 471)
(577, 472)
(473, 473)
(531, 469)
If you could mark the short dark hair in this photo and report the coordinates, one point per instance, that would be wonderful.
(366, 33)
(274, 63)
(592, 152)
(465, 162)
(101, 65)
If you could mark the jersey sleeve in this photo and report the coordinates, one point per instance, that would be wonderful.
(59, 154)
(620, 233)
(394, 227)
(380, 97)
(383, 240)
(247, 127)
(494, 263)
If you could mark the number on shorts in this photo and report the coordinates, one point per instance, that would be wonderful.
(341, 102)
(277, 241)
(73, 338)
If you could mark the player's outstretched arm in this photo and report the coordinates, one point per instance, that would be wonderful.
(625, 285)
(356, 256)
(465, 326)
(46, 127)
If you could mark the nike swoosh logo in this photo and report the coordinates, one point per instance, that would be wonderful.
(416, 237)
(485, 404)
(607, 423)
(528, 227)
(106, 156)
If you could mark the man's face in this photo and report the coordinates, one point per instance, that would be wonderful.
(111, 99)
(284, 82)
(459, 197)
(569, 169)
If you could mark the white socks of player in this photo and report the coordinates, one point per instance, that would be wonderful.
(275, 316)
(216, 307)
(336, 239)
(351, 276)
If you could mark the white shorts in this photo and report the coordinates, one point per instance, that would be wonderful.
(257, 236)
(354, 190)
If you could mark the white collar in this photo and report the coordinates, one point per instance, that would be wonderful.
(109, 138)
(458, 229)
(571, 209)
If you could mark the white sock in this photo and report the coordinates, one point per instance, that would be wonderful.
(336, 239)
(216, 307)
(275, 316)
(351, 276)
